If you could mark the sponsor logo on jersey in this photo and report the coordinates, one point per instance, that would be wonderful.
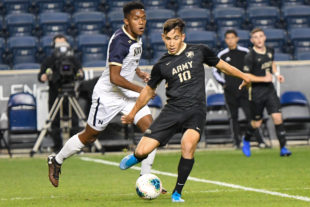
(148, 131)
(190, 54)
(227, 59)
(269, 55)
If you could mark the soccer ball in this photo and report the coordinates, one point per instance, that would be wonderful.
(148, 186)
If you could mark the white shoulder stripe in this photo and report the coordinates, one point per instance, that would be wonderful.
(220, 54)
(243, 48)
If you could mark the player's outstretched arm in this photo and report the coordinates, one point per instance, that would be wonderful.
(247, 77)
(146, 94)
(117, 79)
(232, 71)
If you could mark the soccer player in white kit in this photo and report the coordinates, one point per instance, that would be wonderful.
(114, 92)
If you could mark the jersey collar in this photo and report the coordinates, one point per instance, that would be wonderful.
(131, 37)
(258, 52)
(181, 50)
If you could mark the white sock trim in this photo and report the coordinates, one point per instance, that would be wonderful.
(72, 146)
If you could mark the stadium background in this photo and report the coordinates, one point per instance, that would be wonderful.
(27, 27)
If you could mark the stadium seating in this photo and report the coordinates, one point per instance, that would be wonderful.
(291, 2)
(186, 4)
(49, 5)
(228, 18)
(282, 56)
(217, 129)
(16, 6)
(223, 3)
(21, 24)
(300, 39)
(22, 119)
(263, 16)
(88, 22)
(296, 16)
(52, 23)
(244, 38)
(2, 48)
(257, 3)
(155, 4)
(1, 27)
(202, 37)
(115, 19)
(156, 19)
(22, 49)
(303, 56)
(276, 38)
(144, 62)
(156, 42)
(195, 18)
(93, 47)
(26, 66)
(86, 5)
(116, 5)
(96, 63)
(296, 115)
(4, 67)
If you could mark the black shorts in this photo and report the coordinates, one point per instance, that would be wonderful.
(171, 121)
(269, 99)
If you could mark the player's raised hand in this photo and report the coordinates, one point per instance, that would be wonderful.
(127, 119)
(280, 78)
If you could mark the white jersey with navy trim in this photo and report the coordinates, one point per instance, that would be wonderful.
(109, 99)
(125, 51)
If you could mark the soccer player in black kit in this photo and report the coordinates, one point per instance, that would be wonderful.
(183, 70)
(259, 62)
(234, 55)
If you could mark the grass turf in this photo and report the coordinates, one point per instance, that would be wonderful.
(24, 181)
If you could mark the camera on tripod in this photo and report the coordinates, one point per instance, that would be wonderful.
(63, 59)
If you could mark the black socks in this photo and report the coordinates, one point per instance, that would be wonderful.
(184, 169)
(249, 133)
(281, 134)
(139, 158)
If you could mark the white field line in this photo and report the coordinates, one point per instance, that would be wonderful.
(229, 185)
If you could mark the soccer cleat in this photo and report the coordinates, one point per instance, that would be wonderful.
(163, 191)
(246, 148)
(285, 152)
(128, 162)
(176, 197)
(54, 170)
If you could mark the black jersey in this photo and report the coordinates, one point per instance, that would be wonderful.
(257, 64)
(184, 75)
(235, 58)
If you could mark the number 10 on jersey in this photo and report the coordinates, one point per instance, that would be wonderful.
(186, 75)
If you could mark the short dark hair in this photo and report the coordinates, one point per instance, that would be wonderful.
(231, 31)
(174, 23)
(132, 6)
(257, 30)
(58, 36)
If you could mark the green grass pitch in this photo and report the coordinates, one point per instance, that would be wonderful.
(24, 181)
